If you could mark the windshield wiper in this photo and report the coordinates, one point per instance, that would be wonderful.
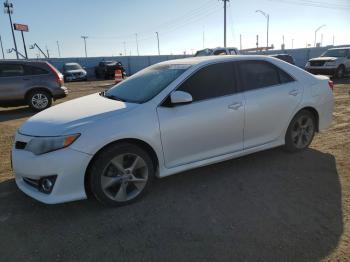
(113, 97)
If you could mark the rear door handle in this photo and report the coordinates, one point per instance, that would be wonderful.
(235, 106)
(294, 92)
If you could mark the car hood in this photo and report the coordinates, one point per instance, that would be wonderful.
(75, 71)
(72, 115)
(324, 58)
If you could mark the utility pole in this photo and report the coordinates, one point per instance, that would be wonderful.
(333, 40)
(8, 8)
(267, 16)
(47, 51)
(137, 45)
(58, 49)
(124, 43)
(203, 39)
(321, 39)
(257, 41)
(85, 37)
(225, 6)
(158, 42)
(316, 33)
(2, 49)
(240, 41)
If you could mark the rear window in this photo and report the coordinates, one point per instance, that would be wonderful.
(8, 70)
(33, 70)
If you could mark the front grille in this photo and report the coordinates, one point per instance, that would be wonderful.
(20, 145)
(317, 63)
(32, 182)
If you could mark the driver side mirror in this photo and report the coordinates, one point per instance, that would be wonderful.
(180, 97)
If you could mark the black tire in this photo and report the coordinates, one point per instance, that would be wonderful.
(299, 137)
(340, 72)
(39, 95)
(101, 169)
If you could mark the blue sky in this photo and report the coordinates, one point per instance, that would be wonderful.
(180, 24)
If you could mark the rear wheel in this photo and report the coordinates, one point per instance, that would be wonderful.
(301, 131)
(121, 174)
(39, 100)
(340, 72)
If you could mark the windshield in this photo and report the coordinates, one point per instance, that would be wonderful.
(336, 53)
(146, 84)
(204, 52)
(72, 67)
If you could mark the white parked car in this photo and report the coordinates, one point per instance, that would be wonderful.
(217, 51)
(334, 62)
(170, 117)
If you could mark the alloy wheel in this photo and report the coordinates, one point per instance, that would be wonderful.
(124, 177)
(303, 131)
(39, 101)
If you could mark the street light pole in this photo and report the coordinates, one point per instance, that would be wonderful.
(267, 16)
(85, 37)
(137, 45)
(158, 42)
(8, 8)
(58, 49)
(316, 33)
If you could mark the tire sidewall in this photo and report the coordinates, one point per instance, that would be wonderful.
(103, 158)
(289, 144)
(29, 100)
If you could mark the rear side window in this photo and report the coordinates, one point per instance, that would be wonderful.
(210, 82)
(259, 74)
(8, 70)
(33, 70)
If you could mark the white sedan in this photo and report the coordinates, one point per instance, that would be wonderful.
(170, 117)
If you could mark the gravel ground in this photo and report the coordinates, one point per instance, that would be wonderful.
(268, 206)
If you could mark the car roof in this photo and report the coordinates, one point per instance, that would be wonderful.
(71, 64)
(212, 59)
(339, 48)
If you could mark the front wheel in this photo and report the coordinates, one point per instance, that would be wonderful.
(300, 132)
(340, 72)
(121, 174)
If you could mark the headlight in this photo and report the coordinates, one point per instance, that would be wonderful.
(307, 64)
(331, 63)
(42, 145)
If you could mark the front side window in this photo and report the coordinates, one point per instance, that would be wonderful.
(146, 84)
(8, 70)
(210, 82)
(259, 74)
(72, 67)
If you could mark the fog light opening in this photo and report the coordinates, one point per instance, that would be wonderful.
(46, 184)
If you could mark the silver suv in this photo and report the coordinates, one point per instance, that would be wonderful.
(335, 62)
(33, 83)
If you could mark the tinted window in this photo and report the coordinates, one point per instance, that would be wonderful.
(259, 74)
(33, 70)
(220, 52)
(11, 70)
(211, 81)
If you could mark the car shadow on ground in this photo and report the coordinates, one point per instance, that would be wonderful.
(15, 113)
(269, 206)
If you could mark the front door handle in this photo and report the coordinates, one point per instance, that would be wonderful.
(294, 92)
(235, 106)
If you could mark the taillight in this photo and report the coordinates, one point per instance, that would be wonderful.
(331, 84)
(58, 75)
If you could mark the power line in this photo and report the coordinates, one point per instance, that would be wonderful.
(313, 4)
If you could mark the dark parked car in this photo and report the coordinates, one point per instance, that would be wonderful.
(106, 69)
(285, 57)
(74, 72)
(33, 83)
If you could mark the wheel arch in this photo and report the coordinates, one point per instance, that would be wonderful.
(144, 145)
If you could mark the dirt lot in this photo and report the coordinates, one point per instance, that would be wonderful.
(269, 206)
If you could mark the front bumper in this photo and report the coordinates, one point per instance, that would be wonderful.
(318, 70)
(67, 164)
